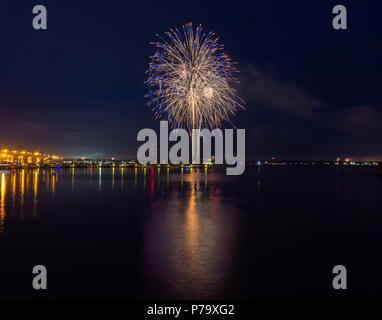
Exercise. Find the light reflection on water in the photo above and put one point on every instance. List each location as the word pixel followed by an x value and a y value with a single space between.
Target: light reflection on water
pixel 189 239
pixel 184 233
pixel 181 230
pixel 2 203
pixel 20 188
pixel 20 191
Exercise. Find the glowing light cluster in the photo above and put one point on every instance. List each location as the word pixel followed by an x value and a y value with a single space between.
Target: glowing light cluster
pixel 191 80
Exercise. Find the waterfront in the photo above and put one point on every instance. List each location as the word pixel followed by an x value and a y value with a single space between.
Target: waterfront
pixel 136 233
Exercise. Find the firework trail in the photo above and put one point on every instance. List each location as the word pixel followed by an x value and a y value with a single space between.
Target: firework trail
pixel 190 80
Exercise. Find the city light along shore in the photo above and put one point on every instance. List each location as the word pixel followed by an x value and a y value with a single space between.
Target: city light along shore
pixel 13 160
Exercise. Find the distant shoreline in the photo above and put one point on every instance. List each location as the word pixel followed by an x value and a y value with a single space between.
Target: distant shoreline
pixel 123 164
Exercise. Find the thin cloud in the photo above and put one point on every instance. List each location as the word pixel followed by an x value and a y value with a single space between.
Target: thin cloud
pixel 33 125
pixel 358 119
pixel 266 89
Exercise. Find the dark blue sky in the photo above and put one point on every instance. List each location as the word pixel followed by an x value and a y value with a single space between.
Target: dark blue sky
pixel 78 88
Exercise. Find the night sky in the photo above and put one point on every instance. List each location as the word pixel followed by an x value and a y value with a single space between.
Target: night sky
pixel 77 89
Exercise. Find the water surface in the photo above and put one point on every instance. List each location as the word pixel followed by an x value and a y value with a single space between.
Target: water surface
pixel 275 232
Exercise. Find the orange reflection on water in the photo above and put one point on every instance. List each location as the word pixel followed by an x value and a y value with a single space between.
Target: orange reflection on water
pixel 192 225
pixel 22 194
pixel 121 178
pixel 53 177
pixel 13 188
pixel 35 192
pixel 144 178
pixel 27 182
pixel 188 243
pixel 205 178
pixel 113 179
pixel 2 202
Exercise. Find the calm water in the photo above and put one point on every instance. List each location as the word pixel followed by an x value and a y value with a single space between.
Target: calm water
pixel 275 232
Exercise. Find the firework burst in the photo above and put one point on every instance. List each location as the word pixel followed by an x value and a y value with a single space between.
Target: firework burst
pixel 191 80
